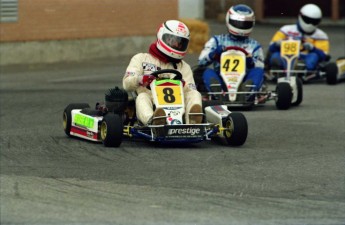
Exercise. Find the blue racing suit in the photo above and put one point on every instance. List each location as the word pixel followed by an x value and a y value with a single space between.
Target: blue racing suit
pixel 214 47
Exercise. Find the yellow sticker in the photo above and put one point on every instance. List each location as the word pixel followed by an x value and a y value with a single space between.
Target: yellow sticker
pixel 289 48
pixel 233 79
pixel 232 64
pixel 169 95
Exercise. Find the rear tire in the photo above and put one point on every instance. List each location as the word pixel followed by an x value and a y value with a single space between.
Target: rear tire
pixel 111 130
pixel 331 70
pixel 67 115
pixel 237 129
pixel 284 96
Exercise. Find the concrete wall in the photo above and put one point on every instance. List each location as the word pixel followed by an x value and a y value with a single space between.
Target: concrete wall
pixel 193 9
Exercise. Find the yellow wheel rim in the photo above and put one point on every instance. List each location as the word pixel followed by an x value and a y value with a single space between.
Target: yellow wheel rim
pixel 103 130
pixel 229 129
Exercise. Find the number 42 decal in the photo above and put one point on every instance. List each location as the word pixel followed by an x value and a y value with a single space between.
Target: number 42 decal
pixel 232 64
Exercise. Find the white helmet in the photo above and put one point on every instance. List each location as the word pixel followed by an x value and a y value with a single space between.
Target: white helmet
pixel 173 39
pixel 309 18
pixel 240 20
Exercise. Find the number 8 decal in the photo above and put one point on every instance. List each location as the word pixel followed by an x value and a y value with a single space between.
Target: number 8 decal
pixel 169 95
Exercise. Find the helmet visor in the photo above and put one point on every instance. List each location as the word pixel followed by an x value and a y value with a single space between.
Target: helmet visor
pixel 309 20
pixel 244 25
pixel 175 42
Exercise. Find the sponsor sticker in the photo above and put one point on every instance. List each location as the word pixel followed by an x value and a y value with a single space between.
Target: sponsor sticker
pixel 84 121
pixel 149 67
pixel 184 132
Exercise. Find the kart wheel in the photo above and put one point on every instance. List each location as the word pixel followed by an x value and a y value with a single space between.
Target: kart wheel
pixel 111 130
pixel 236 129
pixel 284 95
pixel 67 115
pixel 331 71
pixel 299 85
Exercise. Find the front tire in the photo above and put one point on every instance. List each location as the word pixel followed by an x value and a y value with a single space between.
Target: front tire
pixel 67 115
pixel 284 96
pixel 111 130
pixel 299 85
pixel 236 129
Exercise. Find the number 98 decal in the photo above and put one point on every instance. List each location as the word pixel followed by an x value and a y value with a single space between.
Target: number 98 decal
pixel 290 48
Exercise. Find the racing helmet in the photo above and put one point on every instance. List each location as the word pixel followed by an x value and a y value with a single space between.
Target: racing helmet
pixel 240 20
pixel 173 38
pixel 309 18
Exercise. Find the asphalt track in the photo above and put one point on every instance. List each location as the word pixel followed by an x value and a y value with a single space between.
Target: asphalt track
pixel 291 170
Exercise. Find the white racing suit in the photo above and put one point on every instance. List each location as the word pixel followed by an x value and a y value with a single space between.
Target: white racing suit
pixel 144 64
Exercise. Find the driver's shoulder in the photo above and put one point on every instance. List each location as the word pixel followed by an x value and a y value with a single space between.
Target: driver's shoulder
pixel 142 55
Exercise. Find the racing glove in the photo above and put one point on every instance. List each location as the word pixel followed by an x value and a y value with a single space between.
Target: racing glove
pixel 308 46
pixel 277 43
pixel 216 52
pixel 145 80
pixel 274 46
pixel 249 62
pixel 183 82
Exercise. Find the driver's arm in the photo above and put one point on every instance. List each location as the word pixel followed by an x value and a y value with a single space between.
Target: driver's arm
pixel 187 76
pixel 134 69
pixel 274 45
pixel 258 57
pixel 204 57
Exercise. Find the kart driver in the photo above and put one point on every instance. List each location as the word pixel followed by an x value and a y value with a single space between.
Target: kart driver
pixel 240 21
pixel 166 52
pixel 314 41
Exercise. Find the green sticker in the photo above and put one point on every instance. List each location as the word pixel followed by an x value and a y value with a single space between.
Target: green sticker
pixel 177 82
pixel 83 120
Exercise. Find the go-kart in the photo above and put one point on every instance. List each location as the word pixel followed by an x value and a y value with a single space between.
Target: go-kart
pixel 234 93
pixel 115 120
pixel 325 70
pixel 339 76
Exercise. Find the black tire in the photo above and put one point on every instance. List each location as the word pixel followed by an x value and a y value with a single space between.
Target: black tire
pixel 299 85
pixel 284 96
pixel 236 129
pixel 331 70
pixel 67 115
pixel 111 130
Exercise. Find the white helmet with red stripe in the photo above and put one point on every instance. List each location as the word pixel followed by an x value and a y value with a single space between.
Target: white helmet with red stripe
pixel 173 39
pixel 240 20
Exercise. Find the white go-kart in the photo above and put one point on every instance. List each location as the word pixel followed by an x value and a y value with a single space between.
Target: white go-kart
pixel 117 120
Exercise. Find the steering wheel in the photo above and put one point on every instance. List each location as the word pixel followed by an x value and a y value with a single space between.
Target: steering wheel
pixel 237 49
pixel 178 75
